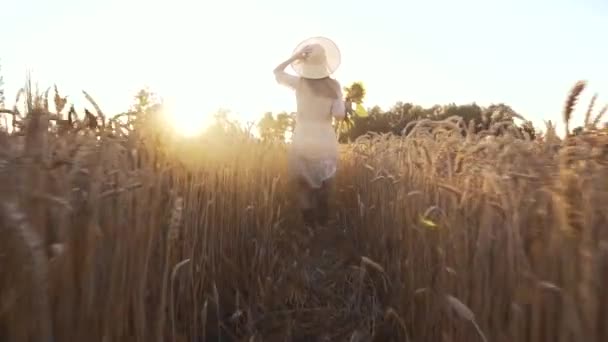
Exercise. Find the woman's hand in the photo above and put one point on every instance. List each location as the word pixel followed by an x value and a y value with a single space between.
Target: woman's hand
pixel 298 56
pixel 302 54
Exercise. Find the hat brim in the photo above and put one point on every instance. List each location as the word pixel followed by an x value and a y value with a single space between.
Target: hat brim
pixel 332 53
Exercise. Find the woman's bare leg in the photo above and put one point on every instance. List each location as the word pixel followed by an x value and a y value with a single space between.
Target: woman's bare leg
pixel 322 195
pixel 306 202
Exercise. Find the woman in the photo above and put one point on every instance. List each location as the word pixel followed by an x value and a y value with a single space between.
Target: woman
pixel 314 149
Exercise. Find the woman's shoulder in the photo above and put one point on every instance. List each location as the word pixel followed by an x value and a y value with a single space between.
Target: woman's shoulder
pixel 335 82
pixel 336 85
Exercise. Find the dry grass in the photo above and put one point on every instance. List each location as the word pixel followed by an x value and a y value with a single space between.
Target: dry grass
pixel 437 236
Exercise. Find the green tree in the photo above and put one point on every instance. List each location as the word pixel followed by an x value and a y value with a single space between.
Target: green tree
pixel 284 123
pixel 266 126
pixel 145 99
pixel 396 119
pixel 467 112
pixel 273 128
pixel 145 110
pixel 222 126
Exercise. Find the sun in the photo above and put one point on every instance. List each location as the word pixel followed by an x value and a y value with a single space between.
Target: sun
pixel 188 119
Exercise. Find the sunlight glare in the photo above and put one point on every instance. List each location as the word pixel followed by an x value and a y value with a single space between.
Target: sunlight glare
pixel 188 119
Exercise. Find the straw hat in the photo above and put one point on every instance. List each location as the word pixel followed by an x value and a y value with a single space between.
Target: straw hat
pixel 323 60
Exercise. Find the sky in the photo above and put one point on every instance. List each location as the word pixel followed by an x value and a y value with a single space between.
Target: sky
pixel 204 55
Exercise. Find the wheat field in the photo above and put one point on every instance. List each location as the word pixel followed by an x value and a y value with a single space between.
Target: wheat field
pixel 122 232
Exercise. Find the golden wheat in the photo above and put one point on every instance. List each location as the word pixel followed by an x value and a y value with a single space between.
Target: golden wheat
pixel 178 240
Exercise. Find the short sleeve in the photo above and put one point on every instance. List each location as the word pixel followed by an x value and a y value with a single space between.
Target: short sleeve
pixel 286 79
pixel 338 107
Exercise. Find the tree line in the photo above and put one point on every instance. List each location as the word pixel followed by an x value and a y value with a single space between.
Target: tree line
pixel 279 126
pixel 395 120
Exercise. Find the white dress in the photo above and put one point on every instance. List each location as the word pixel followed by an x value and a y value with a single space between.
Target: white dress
pixel 314 148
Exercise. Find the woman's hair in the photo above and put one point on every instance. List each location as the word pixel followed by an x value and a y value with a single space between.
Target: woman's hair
pixel 323 87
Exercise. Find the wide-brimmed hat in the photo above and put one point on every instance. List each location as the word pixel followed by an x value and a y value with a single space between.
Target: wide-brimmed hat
pixel 323 60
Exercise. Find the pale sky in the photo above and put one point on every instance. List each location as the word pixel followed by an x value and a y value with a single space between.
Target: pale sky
pixel 202 55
